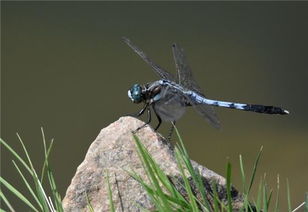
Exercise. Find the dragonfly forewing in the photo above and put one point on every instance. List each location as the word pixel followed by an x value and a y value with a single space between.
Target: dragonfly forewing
pixel 162 73
pixel 185 79
pixel 184 73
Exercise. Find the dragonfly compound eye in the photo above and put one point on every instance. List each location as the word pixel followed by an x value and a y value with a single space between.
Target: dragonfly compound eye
pixel 135 93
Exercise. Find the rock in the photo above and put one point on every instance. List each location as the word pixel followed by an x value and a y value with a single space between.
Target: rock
pixel 114 152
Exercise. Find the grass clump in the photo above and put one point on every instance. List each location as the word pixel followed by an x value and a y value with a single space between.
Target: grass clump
pixel 41 201
pixel 166 195
pixel 184 193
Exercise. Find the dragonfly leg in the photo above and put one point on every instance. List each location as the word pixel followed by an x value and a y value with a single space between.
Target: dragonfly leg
pixel 148 121
pixel 140 112
pixel 158 118
pixel 159 122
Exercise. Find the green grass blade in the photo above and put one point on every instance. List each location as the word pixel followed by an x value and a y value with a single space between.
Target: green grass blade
pixel 151 192
pixel 45 165
pixel 37 191
pixel 174 199
pixel 16 155
pixel 196 179
pixel 89 204
pixel 264 195
pixel 268 201
pixel 289 197
pixel 40 193
pixel 259 196
pixel 17 193
pixel 254 170
pixel 27 155
pixel 243 174
pixel 306 202
pixel 194 173
pixel 229 186
pixel 164 180
pixel 28 186
pixel 56 195
pixel 109 193
pixel 276 209
pixel 145 158
pixel 250 207
pixel 298 207
pixel 182 147
pixel 6 201
pixel 30 168
pixel 215 197
pixel 44 140
pixel 191 197
pixel 46 160
pixel 150 165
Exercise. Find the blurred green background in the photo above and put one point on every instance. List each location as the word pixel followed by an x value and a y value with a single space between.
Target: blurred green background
pixel 65 68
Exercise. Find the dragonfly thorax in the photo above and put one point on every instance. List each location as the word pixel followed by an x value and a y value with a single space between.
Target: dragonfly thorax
pixel 135 93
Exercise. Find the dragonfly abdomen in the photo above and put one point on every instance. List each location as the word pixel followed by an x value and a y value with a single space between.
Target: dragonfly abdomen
pixel 239 106
pixel 265 109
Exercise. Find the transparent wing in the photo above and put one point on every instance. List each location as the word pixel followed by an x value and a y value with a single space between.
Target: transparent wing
pixel 184 74
pixel 158 70
pixel 209 114
pixel 185 78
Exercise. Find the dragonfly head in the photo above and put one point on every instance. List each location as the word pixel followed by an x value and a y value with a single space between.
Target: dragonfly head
pixel 135 93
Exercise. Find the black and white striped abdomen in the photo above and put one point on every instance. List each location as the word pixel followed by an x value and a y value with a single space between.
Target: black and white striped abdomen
pixel 198 99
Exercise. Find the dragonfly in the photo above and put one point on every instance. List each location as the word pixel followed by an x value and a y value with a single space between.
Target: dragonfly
pixel 169 96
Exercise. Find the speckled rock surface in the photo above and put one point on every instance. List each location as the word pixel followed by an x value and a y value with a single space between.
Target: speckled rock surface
pixel 114 152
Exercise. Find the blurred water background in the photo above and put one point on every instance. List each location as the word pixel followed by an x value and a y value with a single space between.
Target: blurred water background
pixel 65 68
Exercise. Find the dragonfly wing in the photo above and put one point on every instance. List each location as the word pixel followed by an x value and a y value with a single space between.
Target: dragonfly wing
pixel 184 73
pixel 185 79
pixel 209 114
pixel 158 70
